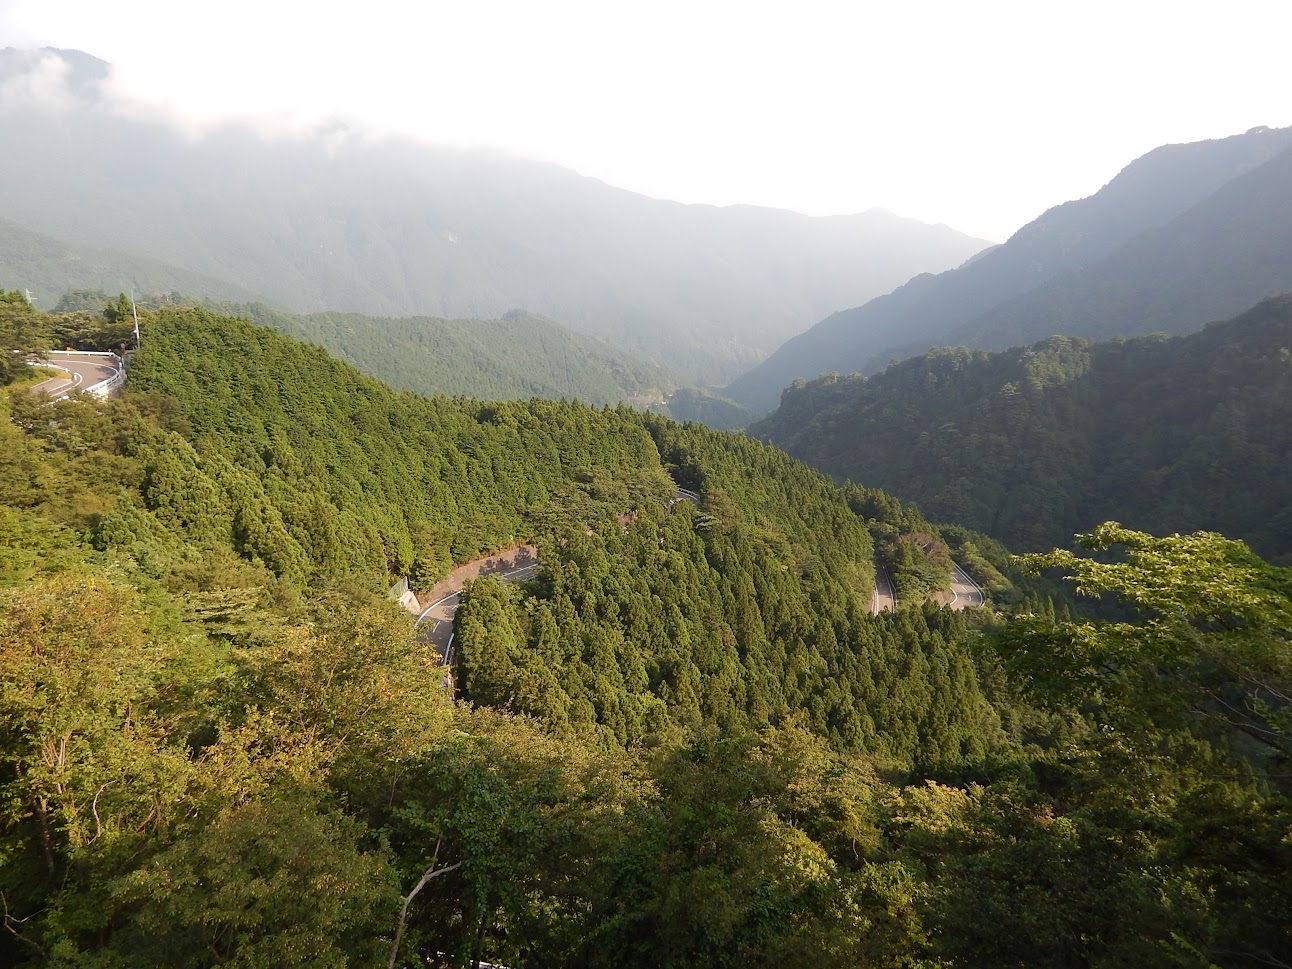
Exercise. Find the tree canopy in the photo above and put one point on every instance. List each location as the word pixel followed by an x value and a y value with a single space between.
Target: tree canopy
pixel 684 742
pixel 1033 444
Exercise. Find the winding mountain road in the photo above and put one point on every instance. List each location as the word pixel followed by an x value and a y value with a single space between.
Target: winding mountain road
pixel 965 592
pixel 434 623
pixel 80 372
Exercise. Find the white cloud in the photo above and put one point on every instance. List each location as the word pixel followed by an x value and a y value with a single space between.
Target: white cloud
pixel 40 86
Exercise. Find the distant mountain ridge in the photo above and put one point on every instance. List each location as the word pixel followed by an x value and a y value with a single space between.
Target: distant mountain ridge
pixel 1184 234
pixel 48 267
pixel 1231 248
pixel 388 227
pixel 1032 444
pixel 515 357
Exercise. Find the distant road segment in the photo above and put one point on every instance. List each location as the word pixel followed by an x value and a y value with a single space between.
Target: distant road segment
pixel 885 599
pixel 965 593
pixel 434 624
pixel 81 371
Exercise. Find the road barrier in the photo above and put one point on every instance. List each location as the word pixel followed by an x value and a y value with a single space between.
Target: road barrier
pixel 968 579
pixel 102 388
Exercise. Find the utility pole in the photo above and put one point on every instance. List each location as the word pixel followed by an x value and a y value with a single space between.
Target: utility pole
pixel 135 311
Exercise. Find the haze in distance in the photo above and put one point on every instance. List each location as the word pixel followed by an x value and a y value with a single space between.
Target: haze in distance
pixel 979 116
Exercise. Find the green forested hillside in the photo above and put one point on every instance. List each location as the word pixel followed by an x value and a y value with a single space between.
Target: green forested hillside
pixel 741 614
pixel 361 478
pixel 1033 444
pixel 512 358
pixel 711 409
pixel 684 743
pixel 367 479
pixel 47 267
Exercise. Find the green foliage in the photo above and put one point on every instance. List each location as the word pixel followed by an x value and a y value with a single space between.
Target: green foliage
pixel 88 320
pixel 331 471
pixel 1120 843
pixel 705 407
pixel 687 742
pixel 752 854
pixel 22 332
pixel 81 301
pixel 1033 444
pixel 1217 638
pixel 688 619
pixel 517 356
pixel 910 549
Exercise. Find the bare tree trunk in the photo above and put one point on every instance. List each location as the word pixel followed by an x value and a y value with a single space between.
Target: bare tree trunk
pixel 11 924
pixel 430 873
pixel 46 841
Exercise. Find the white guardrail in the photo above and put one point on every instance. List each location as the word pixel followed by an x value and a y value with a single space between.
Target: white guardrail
pixel 968 579
pixel 102 388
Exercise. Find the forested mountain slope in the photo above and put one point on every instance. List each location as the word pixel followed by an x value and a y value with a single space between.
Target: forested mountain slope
pixel 512 358
pixel 1033 444
pixel 48 268
pixel 1222 255
pixel 354 477
pixel 335 220
pixel 220 746
pixel 1183 235
pixel 706 407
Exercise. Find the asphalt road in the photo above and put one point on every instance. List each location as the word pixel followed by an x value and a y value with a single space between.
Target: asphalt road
pixel 82 372
pixel 435 623
pixel 885 599
pixel 965 593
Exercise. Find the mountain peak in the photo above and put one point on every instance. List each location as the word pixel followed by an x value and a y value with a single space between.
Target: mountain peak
pixel 1020 290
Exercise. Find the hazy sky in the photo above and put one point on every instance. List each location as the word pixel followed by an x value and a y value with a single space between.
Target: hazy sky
pixel 977 113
